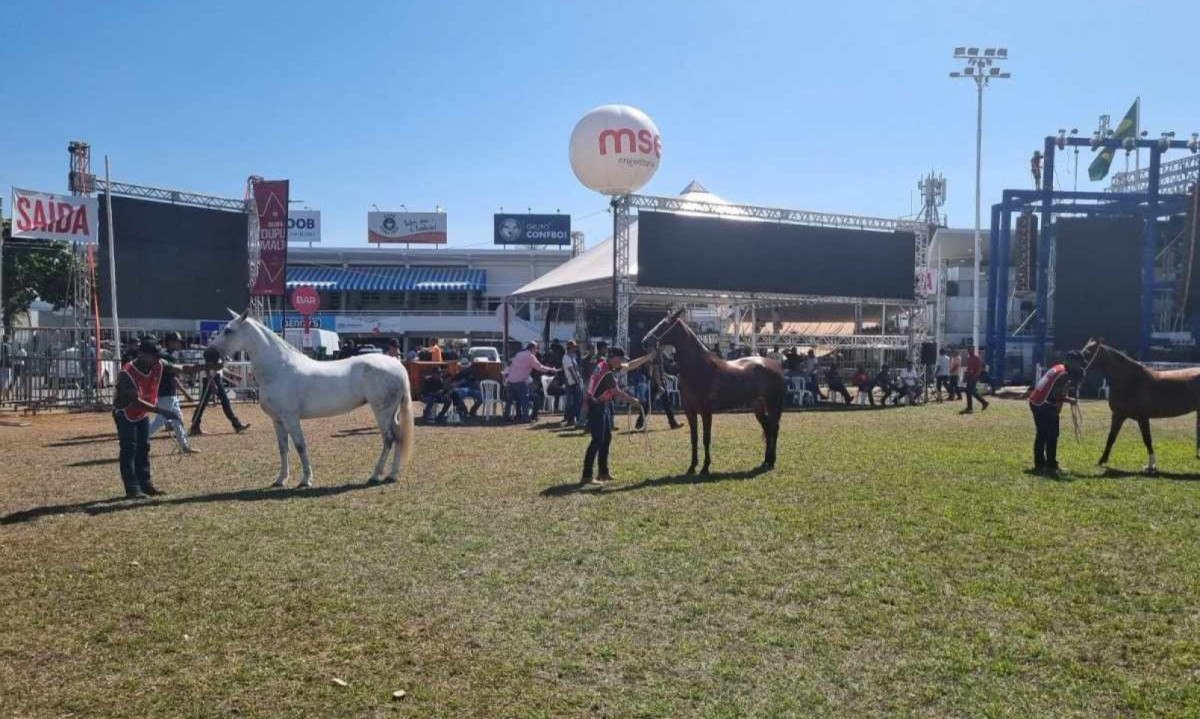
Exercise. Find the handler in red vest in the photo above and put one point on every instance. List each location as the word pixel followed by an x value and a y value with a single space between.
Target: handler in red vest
pixel 598 397
pixel 135 400
pixel 1046 401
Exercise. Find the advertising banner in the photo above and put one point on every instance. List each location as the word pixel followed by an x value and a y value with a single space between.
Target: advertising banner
pixel 43 216
pixel 532 229
pixel 270 204
pixel 304 226
pixel 428 228
pixel 318 321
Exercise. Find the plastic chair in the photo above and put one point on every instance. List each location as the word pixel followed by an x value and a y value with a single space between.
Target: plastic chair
pixel 798 391
pixel 491 406
pixel 549 401
pixel 672 388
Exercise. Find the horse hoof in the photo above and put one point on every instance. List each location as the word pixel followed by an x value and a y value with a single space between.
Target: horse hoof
pixel 373 481
pixel 278 484
pixel 1150 470
pixel 305 485
pixel 704 472
pixel 691 471
pixel 389 480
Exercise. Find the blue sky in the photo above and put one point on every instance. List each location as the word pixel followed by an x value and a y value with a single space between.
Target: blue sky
pixel 838 107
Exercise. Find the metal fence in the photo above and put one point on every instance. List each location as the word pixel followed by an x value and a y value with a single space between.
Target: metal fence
pixel 58 368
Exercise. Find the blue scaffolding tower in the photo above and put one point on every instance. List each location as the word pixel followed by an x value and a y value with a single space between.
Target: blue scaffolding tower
pixel 1150 205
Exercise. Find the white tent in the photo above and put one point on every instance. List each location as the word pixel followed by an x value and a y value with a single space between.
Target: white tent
pixel 590 275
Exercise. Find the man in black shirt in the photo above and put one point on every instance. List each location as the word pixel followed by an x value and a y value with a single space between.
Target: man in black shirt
pixel 459 385
pixel 433 386
pixel 167 397
pixel 214 385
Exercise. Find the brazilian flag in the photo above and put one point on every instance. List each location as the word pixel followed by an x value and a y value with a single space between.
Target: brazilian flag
pixel 1098 170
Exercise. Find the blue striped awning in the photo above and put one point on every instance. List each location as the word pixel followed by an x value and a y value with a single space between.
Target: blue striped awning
pixel 388 279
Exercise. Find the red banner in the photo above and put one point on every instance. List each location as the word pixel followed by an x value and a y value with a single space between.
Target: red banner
pixel 271 205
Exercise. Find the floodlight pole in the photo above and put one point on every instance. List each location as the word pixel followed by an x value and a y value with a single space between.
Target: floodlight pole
pixel 981 68
pixel 979 83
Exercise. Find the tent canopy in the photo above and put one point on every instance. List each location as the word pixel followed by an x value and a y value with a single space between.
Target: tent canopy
pixel 590 275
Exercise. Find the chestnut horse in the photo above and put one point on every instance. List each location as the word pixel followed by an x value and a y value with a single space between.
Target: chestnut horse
pixel 1140 393
pixel 708 383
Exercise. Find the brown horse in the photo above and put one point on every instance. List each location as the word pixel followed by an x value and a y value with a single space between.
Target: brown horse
pixel 1140 393
pixel 708 383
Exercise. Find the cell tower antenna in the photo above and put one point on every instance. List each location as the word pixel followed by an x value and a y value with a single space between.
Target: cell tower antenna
pixel 933 198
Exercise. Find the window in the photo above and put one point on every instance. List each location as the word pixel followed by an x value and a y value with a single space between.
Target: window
pixel 428 299
pixel 369 299
pixel 457 300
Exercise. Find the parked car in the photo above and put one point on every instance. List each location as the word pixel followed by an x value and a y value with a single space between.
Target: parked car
pixel 483 354
pixel 369 350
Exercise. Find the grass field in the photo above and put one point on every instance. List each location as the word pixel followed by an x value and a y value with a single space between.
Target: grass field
pixel 897 563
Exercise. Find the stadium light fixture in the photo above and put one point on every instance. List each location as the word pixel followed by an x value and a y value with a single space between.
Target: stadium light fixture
pixel 982 69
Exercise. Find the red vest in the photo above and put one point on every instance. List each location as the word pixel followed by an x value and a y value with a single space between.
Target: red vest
pixel 598 377
pixel 147 388
pixel 1045 385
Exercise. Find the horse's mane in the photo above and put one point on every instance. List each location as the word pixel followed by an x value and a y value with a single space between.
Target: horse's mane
pixel 1125 358
pixel 271 337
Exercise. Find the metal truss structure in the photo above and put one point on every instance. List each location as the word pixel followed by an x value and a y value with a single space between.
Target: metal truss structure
pixel 1174 178
pixel 863 341
pixel 626 291
pixel 1152 204
pixel 253 246
pixel 177 197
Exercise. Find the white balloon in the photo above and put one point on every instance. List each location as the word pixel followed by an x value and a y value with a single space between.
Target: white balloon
pixel 615 149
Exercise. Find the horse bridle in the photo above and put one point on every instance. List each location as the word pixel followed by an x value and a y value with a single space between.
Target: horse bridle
pixel 1095 353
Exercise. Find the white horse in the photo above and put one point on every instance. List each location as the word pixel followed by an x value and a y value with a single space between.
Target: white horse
pixel 293 387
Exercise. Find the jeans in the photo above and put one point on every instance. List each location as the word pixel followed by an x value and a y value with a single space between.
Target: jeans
pixel 431 402
pixel 973 393
pixel 868 388
pixel 170 402
pixel 572 401
pixel 214 386
pixel 518 395
pixel 1045 441
pixel 663 400
pixel 600 426
pixel 455 397
pixel 134 441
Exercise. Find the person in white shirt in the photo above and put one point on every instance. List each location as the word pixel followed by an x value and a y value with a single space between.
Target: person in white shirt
pixel 941 373
pixel 910 379
pixel 573 380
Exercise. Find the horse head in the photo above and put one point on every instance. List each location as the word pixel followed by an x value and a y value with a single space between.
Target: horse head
pixel 1092 351
pixel 233 338
pixel 668 331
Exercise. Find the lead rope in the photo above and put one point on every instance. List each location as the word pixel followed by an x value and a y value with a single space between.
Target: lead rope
pixel 1077 420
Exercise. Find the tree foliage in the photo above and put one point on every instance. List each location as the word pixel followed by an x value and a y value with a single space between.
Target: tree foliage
pixel 32 271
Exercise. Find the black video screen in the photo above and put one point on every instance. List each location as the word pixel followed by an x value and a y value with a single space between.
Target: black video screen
pixel 1098 282
pixel 708 253
pixel 174 261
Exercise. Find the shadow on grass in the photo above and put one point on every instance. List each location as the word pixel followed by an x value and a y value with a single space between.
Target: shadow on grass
pixel 564 490
pixel 120 504
pixel 82 439
pixel 94 462
pixel 1110 473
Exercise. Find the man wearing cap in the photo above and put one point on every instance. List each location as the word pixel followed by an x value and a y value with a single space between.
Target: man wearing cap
pixel 1046 401
pixel 602 390
pixel 393 349
pixel 136 398
pixel 167 397
pixel 214 385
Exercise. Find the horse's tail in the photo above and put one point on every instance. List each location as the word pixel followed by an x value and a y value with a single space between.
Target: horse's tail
pixel 404 426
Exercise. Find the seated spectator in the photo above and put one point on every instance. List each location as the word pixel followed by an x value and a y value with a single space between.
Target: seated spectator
pixel 862 380
pixel 460 387
pixel 433 387
pixel 834 379
pixel 884 382
pixel 910 379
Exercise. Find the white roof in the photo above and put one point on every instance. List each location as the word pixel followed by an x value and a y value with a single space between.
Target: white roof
pixel 955 244
pixel 590 275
